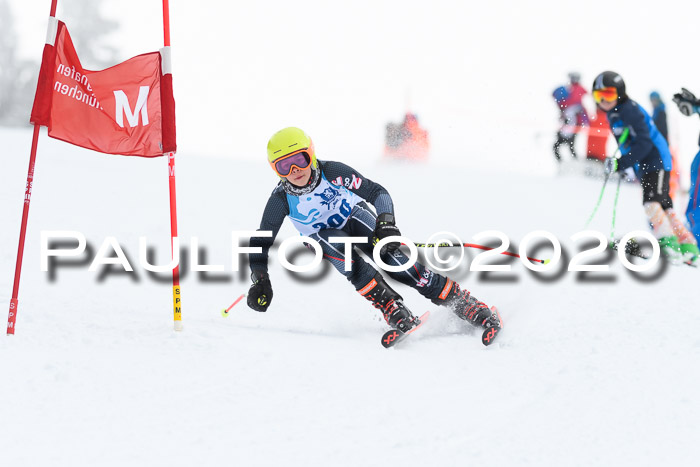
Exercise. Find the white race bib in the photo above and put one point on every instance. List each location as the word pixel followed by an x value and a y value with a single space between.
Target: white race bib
pixel 327 207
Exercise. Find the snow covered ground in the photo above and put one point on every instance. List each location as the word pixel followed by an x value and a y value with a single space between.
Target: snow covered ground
pixel 588 371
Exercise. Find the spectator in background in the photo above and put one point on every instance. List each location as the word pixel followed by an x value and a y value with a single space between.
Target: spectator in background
pixel 406 140
pixel 572 113
pixel 576 93
pixel 567 116
pixel 659 115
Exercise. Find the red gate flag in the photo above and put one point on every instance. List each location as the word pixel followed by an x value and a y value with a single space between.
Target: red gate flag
pixel 125 109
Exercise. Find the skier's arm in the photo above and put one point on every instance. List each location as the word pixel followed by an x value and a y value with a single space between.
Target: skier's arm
pixel 351 179
pixel 638 145
pixel 273 216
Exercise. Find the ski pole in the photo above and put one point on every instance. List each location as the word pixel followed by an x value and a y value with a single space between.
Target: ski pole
pixel 224 312
pixel 615 156
pixel 480 247
pixel 617 196
pixel 600 198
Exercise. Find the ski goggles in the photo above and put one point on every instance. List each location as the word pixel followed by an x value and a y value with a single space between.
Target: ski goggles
pixel 284 165
pixel 608 94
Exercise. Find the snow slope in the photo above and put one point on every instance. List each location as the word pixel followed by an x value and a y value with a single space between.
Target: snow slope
pixel 587 372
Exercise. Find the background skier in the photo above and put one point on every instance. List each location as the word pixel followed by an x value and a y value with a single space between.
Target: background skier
pixel 566 135
pixel 573 114
pixel 642 147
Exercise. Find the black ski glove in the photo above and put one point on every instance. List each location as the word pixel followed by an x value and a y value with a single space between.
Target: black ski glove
pixel 686 101
pixel 386 227
pixel 260 293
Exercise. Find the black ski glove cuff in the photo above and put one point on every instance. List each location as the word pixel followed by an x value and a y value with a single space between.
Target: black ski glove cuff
pixel 260 293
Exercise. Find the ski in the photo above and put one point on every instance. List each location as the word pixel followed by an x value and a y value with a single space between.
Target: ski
pixel 489 334
pixel 394 336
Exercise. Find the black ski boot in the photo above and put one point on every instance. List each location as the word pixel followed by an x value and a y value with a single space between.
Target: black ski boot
pixel 390 303
pixel 466 306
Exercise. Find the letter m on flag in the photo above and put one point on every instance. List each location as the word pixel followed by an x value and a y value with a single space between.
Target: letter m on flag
pixel 122 108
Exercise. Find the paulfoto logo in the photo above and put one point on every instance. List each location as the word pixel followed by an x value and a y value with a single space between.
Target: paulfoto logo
pixel 443 252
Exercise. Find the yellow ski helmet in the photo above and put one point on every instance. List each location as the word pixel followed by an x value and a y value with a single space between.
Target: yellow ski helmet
pixel 288 141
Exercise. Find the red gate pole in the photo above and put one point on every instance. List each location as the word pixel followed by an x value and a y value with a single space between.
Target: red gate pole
pixel 12 315
pixel 14 302
pixel 177 304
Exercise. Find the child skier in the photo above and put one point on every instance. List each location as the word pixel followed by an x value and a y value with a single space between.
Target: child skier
pixel 572 115
pixel 642 147
pixel 325 199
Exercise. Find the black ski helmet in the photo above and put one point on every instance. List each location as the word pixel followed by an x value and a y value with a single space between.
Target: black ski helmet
pixel 610 79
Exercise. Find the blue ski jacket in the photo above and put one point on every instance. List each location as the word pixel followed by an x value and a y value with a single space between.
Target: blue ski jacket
pixel 645 148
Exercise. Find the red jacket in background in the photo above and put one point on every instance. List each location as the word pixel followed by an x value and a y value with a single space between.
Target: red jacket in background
pixel 576 93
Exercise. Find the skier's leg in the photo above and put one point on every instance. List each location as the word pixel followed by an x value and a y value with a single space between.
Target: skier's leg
pixel 367 281
pixel 655 199
pixel 389 302
pixel 360 272
pixel 361 224
pixel 437 288
pixel 466 306
pixel 685 237
pixel 659 222
pixel 572 145
pixel 688 244
pixel 558 143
